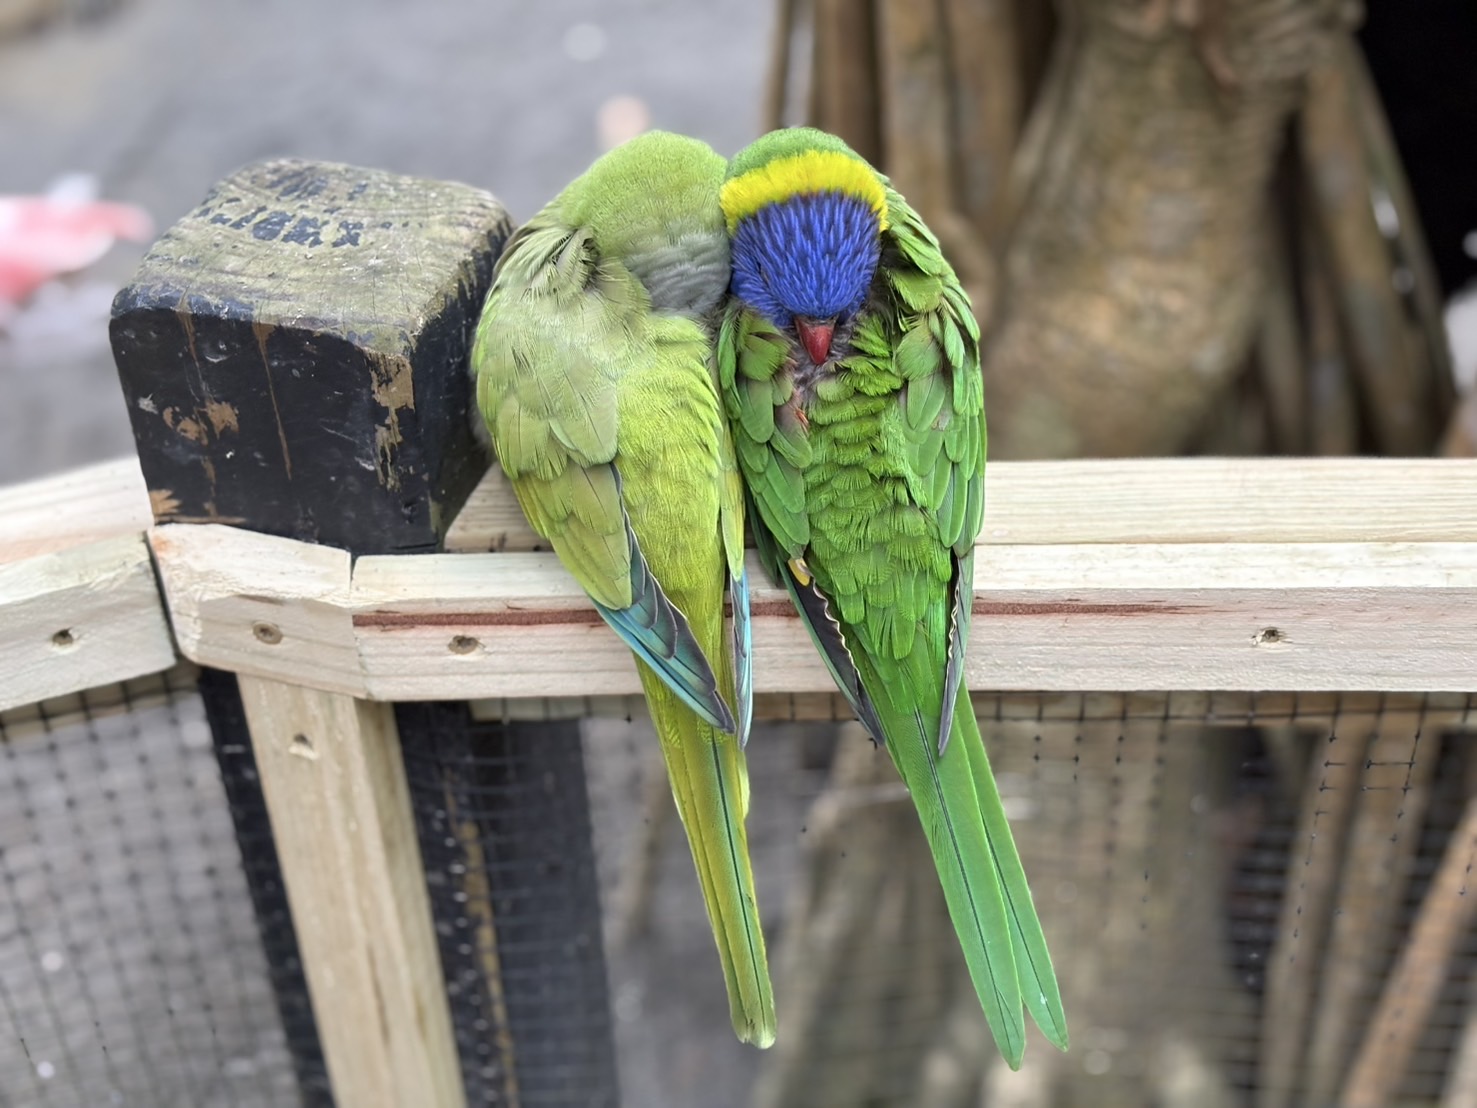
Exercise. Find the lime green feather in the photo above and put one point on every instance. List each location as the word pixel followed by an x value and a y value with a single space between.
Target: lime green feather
pixel 596 377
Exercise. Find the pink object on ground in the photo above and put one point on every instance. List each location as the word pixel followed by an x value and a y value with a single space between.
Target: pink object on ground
pixel 42 237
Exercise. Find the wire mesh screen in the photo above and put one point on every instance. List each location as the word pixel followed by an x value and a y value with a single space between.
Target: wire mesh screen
pixel 1251 900
pixel 504 828
pixel 132 967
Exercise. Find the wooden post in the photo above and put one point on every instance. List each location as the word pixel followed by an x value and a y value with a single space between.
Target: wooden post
pixel 293 354
pixel 335 786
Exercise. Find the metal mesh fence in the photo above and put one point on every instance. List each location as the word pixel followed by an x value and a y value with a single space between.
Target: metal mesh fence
pixel 504 828
pixel 132 970
pixel 1252 900
pixel 1228 883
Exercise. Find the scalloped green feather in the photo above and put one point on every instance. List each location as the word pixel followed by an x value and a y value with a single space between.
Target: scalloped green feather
pixel 889 502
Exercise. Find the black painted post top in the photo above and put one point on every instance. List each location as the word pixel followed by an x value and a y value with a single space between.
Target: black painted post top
pixel 293 354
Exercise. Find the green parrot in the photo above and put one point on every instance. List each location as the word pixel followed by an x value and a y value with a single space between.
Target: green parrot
pixel 848 360
pixel 595 376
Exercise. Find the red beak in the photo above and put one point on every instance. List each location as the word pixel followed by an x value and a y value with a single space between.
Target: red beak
pixel 816 335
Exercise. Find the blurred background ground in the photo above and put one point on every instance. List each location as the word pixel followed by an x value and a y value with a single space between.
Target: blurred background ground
pixel 158 99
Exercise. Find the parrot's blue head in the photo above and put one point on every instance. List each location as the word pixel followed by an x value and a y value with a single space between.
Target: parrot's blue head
pixel 805 215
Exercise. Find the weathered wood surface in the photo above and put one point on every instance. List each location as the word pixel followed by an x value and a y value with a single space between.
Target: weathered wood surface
pixel 293 354
pixel 1286 616
pixel 331 770
pixel 76 618
pixel 260 604
pixel 222 583
pixel 1155 500
pixel 72 509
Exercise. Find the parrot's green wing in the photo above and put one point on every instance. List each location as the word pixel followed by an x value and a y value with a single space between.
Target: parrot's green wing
pixel 935 350
pixel 770 438
pixel 941 422
pixel 559 324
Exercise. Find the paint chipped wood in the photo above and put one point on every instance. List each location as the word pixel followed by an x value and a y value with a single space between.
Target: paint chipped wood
pixel 293 354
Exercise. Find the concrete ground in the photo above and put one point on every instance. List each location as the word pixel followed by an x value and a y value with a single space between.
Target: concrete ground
pixel 161 98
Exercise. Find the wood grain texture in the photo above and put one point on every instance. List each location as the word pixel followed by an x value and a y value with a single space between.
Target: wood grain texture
pixel 259 604
pixel 1065 617
pixel 72 509
pixel 335 787
pixel 293 354
pixel 1155 500
pixel 514 626
pixel 81 617
pixel 1130 617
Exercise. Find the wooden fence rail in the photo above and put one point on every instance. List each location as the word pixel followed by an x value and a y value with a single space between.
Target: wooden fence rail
pixel 1249 574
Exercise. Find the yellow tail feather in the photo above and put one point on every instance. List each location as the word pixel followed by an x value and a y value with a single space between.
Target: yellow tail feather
pixel 711 786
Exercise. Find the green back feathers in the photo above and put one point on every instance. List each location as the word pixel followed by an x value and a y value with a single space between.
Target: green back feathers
pixel 787 142
pixel 593 357
pixel 597 292
pixel 653 190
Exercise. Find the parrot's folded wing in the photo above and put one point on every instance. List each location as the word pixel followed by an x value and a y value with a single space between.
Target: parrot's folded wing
pixel 731 513
pixel 548 355
pixel 660 636
pixel 825 632
pixel 934 343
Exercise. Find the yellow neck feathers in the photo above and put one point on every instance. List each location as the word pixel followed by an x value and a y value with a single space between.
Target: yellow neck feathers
pixel 814 171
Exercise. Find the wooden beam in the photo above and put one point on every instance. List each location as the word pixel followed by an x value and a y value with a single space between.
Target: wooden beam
pixel 293 354
pixel 77 618
pixel 293 357
pixel 1155 500
pixel 260 604
pixel 1160 500
pixel 1241 616
pixel 1307 616
pixel 73 509
pixel 331 771
pixel 223 588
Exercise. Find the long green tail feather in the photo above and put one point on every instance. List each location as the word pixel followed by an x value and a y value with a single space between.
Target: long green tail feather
pixel 943 791
pixel 979 868
pixel 1039 989
pixel 711 787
